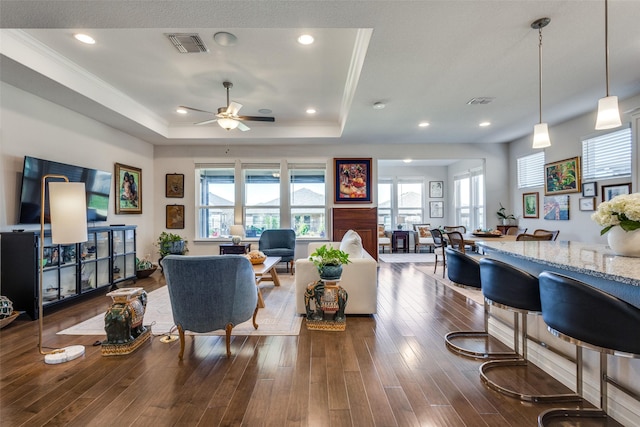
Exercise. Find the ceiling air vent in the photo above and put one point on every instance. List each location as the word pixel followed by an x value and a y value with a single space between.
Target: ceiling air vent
pixel 481 100
pixel 187 42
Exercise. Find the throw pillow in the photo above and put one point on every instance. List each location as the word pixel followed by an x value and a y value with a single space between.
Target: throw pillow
pixel 352 244
pixel 381 231
pixel 424 231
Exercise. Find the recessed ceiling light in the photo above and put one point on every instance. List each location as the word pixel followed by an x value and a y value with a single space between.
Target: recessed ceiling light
pixel 181 111
pixel 378 105
pixel 224 38
pixel 264 111
pixel 407 160
pixel 305 39
pixel 84 38
pixel 484 124
pixel 311 110
pixel 424 124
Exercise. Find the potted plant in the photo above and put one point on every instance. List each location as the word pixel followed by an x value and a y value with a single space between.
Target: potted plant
pixel 502 214
pixel 169 243
pixel 144 267
pixel 329 260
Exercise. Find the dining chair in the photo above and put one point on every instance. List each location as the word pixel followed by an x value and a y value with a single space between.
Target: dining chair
pixel 456 241
pixel 439 244
pixel 533 237
pixel 459 228
pixel 554 233
pixel 514 231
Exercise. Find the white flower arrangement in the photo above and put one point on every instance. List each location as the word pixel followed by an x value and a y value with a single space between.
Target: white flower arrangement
pixel 623 210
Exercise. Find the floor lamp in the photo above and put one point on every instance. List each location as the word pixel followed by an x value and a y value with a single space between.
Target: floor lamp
pixel 68 217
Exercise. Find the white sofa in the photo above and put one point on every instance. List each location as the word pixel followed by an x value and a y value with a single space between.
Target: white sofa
pixel 359 279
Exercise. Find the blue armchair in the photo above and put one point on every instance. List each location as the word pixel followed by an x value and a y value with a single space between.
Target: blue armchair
pixel 279 242
pixel 212 292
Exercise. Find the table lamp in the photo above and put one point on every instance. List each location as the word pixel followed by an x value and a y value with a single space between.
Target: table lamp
pixel 237 234
pixel 68 217
pixel 400 219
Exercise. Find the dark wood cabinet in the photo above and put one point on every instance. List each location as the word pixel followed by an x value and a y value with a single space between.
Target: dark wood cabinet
pixel 107 258
pixel 504 228
pixel 231 249
pixel 364 221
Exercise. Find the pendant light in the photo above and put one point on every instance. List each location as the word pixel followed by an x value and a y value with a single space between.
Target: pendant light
pixel 608 112
pixel 541 130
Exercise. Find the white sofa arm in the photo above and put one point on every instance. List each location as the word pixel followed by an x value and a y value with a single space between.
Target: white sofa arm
pixel 359 279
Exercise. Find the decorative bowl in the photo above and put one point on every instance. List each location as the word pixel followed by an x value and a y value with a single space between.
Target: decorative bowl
pixel 6 320
pixel 256 261
pixel 141 274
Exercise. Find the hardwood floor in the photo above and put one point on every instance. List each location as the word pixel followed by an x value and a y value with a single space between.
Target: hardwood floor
pixel 391 369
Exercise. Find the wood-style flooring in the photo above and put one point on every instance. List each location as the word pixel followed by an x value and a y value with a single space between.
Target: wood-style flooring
pixel 390 369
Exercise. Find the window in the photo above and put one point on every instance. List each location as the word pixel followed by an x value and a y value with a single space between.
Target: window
pixel 259 198
pixel 216 200
pixel 307 198
pixel 385 188
pixel 531 170
pixel 607 155
pixel 469 199
pixel 409 202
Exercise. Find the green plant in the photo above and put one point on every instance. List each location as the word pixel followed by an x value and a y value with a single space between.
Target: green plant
pixel 167 240
pixel 143 264
pixel 328 255
pixel 502 213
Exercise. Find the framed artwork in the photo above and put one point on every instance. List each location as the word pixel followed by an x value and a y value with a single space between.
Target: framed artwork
pixel 353 180
pixel 611 191
pixel 175 216
pixel 128 181
pixel 562 177
pixel 530 203
pixel 587 203
pixel 589 189
pixel 436 209
pixel 556 208
pixel 436 188
pixel 174 185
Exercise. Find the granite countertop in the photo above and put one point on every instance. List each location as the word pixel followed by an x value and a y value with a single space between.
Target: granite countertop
pixel 592 259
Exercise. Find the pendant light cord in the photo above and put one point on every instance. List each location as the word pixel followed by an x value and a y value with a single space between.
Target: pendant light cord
pixel 540 71
pixel 606 42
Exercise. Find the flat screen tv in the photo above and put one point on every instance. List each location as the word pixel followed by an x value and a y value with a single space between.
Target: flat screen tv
pixel 97 184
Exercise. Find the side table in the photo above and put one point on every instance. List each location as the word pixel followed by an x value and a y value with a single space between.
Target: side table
pixel 231 249
pixel 330 301
pixel 400 235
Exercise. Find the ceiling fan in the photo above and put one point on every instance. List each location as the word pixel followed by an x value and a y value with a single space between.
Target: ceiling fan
pixel 227 117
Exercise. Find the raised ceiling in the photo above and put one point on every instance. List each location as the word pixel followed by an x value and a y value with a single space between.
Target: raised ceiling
pixel 423 59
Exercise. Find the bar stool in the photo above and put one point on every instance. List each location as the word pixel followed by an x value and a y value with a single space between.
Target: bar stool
pixel 588 317
pixel 464 270
pixel 516 290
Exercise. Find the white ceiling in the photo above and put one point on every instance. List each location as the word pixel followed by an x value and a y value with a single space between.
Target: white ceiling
pixel 423 59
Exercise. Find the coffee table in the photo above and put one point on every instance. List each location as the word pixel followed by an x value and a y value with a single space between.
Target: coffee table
pixel 266 272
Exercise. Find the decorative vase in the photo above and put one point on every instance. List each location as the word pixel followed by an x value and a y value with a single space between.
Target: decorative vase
pixel 236 240
pixel 330 272
pixel 625 243
pixel 6 307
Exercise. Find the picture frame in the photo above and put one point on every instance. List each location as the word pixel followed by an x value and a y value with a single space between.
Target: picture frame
pixel 589 189
pixel 174 185
pixel 128 182
pixel 611 191
pixel 556 208
pixel 352 180
pixel 436 209
pixel 587 203
pixel 436 189
pixel 175 217
pixel 562 177
pixel 530 205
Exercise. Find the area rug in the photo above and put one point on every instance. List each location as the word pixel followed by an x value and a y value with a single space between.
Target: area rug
pixel 278 317
pixel 407 257
pixel 473 294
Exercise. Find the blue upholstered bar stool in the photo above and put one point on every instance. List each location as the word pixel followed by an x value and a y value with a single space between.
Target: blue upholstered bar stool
pixel 588 317
pixel 464 270
pixel 516 290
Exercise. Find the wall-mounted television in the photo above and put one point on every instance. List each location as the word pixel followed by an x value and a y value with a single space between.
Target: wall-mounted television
pixel 97 185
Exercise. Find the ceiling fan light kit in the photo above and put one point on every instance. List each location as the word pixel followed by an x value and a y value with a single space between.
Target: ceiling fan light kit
pixel 608 111
pixel 541 130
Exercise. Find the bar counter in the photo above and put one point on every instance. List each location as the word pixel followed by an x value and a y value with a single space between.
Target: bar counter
pixel 594 264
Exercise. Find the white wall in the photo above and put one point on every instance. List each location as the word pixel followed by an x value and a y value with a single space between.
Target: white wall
pixel 35 127
pixel 566 143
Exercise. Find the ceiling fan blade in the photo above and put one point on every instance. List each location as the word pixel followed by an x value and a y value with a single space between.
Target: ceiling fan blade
pixel 194 109
pixel 233 108
pixel 243 127
pixel 206 122
pixel 257 118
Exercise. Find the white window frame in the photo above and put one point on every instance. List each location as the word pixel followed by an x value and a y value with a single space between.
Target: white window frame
pixel 607 155
pixel 530 170
pixel 476 202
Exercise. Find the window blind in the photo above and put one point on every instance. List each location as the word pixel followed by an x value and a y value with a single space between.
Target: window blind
pixel 607 155
pixel 531 170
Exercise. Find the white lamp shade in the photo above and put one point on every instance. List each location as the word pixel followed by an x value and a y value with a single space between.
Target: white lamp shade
pixel 228 124
pixel 541 136
pixel 237 230
pixel 68 209
pixel 608 113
